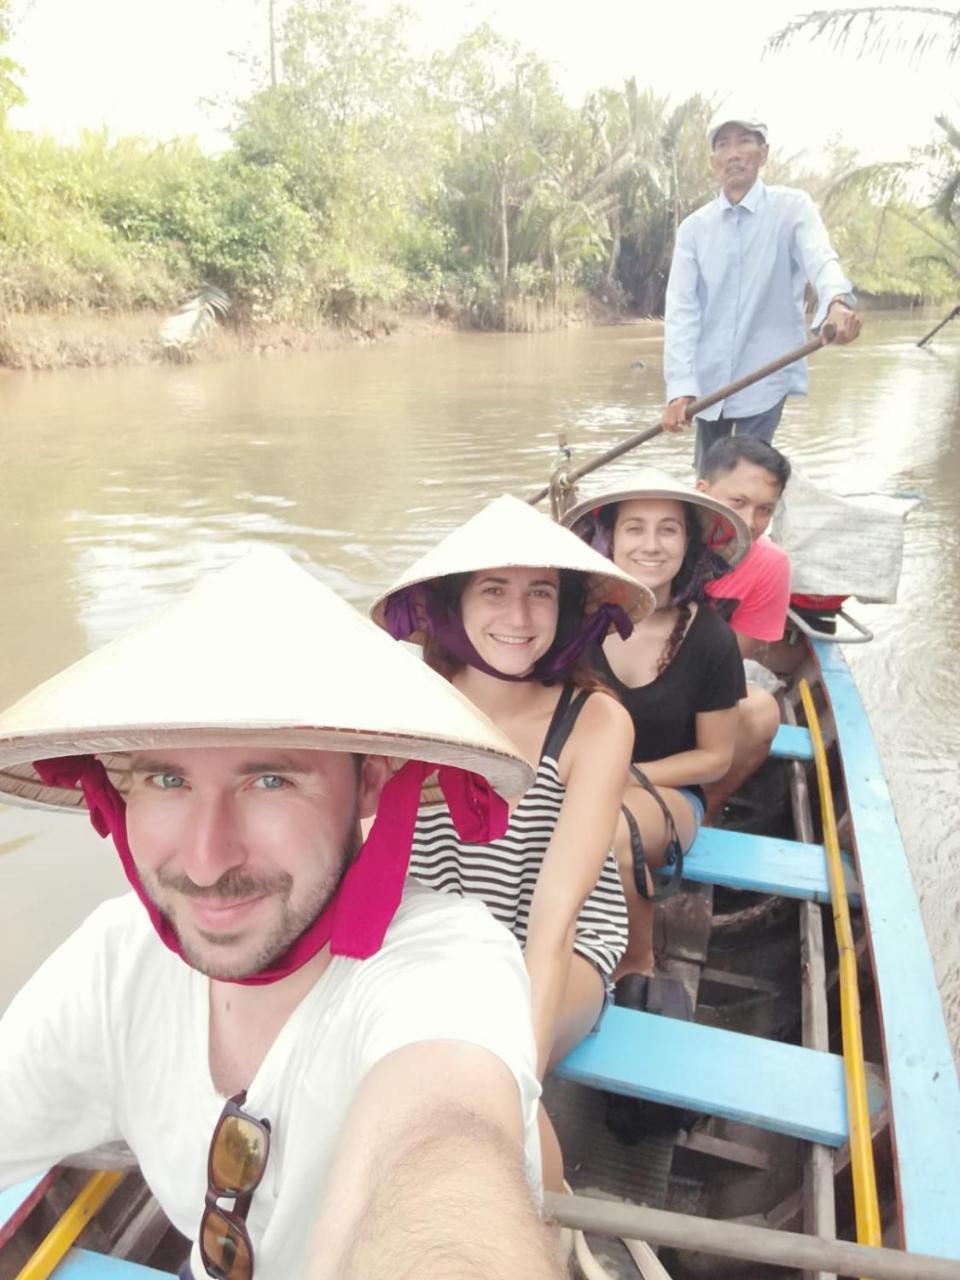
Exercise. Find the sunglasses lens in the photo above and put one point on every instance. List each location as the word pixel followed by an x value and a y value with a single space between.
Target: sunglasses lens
pixel 223 1249
pixel 238 1156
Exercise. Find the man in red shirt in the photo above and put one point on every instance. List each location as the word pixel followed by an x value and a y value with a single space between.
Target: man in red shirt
pixel 749 475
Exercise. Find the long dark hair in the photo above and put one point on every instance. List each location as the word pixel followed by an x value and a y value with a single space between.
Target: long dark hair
pixel 570 611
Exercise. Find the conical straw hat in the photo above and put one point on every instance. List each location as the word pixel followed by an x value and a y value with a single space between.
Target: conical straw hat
pixel 509 533
pixel 724 531
pixel 261 652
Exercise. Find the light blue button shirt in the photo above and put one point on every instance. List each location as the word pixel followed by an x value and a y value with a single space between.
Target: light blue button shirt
pixel 735 296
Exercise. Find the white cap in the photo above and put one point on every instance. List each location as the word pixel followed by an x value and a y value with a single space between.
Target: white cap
pixel 729 115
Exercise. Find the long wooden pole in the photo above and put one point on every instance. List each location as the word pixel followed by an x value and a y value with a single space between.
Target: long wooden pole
pixel 866 1206
pixel 951 315
pixel 570 478
pixel 790 1249
pixel 58 1240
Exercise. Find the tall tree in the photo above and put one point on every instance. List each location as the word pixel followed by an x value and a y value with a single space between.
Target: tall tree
pixel 919 32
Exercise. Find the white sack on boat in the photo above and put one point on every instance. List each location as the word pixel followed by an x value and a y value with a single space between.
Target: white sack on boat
pixel 849 546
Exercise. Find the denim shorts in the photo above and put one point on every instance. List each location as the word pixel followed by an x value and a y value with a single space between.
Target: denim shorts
pixel 694 798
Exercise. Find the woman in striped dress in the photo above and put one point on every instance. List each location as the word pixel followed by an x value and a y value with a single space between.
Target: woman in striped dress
pixel 505 607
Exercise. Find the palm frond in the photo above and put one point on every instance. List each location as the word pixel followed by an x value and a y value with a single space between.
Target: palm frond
pixel 880 30
pixel 195 318
pixel 882 181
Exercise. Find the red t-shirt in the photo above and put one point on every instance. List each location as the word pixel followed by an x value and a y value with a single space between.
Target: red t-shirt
pixel 754 596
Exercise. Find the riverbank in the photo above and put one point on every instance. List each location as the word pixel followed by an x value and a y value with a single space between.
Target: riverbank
pixel 41 341
pixel 48 340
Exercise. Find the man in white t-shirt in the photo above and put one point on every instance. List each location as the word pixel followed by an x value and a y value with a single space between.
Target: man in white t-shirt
pixel 321 1071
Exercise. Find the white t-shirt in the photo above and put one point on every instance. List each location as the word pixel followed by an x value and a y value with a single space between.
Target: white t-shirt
pixel 109 1040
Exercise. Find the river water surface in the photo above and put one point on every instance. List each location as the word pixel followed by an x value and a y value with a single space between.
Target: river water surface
pixel 119 487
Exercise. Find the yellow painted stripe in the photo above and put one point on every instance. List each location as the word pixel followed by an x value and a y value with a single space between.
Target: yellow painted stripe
pixel 866 1206
pixel 51 1250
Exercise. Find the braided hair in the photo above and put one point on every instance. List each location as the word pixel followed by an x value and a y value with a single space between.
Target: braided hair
pixel 675 637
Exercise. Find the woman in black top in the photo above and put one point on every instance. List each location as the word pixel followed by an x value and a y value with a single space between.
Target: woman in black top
pixel 680 675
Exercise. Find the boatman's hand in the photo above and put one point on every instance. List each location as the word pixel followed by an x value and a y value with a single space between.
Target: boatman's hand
pixel 674 416
pixel 845 321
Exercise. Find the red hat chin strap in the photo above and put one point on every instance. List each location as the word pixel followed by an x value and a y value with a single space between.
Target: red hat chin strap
pixel 355 921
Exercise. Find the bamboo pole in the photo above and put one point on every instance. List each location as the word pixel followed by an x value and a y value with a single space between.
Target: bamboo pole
pixel 569 479
pixel 951 315
pixel 52 1248
pixel 866 1206
pixel 789 1249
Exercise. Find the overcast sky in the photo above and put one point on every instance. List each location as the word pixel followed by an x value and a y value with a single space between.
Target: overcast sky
pixel 142 66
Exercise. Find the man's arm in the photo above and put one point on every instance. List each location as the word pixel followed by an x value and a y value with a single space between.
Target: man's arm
pixel 681 331
pixel 835 298
pixel 763 592
pixel 749 646
pixel 55 1089
pixel 429 1176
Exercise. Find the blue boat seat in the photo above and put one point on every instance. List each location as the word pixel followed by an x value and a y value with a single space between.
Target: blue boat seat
pixel 792 742
pixel 83 1264
pixel 781 1087
pixel 765 864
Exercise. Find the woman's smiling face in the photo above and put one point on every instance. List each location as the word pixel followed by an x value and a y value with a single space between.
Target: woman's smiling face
pixel 650 541
pixel 510 616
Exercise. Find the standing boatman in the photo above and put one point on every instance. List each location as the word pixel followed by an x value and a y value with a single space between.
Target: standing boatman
pixel 735 293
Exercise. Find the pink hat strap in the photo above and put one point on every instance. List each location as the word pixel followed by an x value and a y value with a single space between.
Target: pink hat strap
pixel 108 816
pixel 357 919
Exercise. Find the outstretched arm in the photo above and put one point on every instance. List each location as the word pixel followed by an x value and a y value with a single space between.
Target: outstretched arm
pixel 596 759
pixel 429 1176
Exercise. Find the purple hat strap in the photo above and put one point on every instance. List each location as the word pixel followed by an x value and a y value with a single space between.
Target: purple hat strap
pixel 410 608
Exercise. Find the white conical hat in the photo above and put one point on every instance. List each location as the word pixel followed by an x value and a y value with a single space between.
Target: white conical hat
pixel 723 530
pixel 261 652
pixel 510 533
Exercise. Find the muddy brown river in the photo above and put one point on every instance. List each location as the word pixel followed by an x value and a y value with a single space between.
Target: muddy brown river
pixel 119 487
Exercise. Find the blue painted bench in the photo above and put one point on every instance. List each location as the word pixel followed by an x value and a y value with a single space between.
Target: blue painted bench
pixel 792 742
pixel 781 1087
pixel 82 1264
pixel 765 864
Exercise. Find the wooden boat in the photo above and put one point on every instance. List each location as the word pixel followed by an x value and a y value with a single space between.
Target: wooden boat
pixel 759 1070
pixel 756 1080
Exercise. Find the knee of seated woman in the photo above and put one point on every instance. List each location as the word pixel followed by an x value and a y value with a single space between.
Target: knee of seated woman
pixel 759 714
pixel 652 829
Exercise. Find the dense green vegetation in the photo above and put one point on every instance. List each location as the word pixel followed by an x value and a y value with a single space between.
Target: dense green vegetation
pixel 360 176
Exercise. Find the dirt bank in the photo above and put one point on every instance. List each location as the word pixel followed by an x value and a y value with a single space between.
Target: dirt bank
pixel 47 340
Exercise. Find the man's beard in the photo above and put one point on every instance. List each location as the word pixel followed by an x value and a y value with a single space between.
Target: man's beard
pixel 164 889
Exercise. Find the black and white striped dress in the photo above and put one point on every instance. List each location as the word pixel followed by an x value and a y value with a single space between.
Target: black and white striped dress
pixel 504 873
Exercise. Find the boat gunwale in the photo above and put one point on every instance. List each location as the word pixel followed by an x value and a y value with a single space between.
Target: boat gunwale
pixel 921 1076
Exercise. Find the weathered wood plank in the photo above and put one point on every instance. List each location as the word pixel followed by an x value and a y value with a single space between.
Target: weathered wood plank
pixel 19 1201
